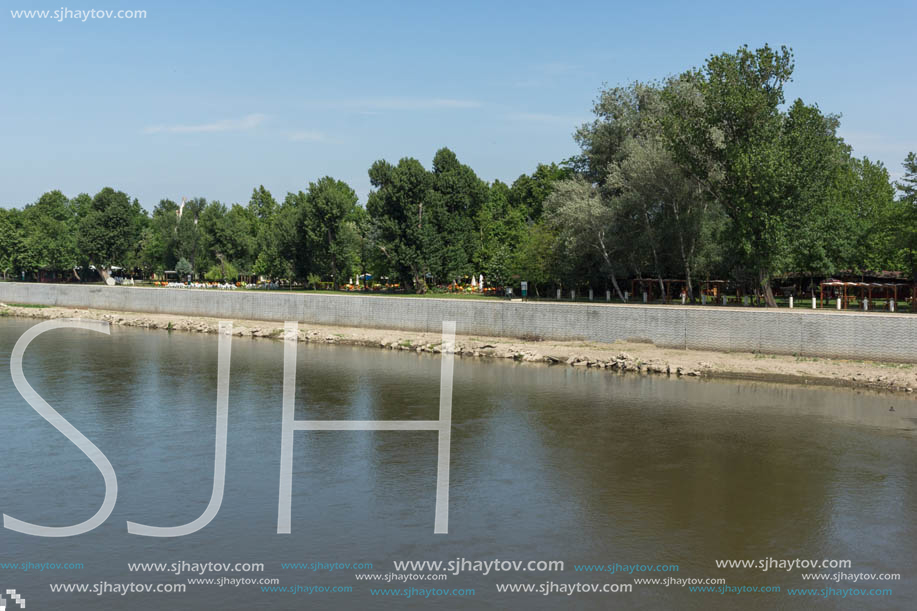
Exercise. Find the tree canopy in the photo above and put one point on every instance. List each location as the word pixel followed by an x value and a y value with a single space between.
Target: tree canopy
pixel 708 173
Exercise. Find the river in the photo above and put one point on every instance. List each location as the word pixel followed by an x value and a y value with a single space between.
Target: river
pixel 547 463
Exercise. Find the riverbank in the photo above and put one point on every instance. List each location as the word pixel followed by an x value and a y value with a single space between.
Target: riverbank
pixel 856 336
pixel 627 357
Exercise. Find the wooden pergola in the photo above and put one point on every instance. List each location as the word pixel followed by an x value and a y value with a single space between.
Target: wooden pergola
pixel 714 288
pixel 884 290
pixel 649 284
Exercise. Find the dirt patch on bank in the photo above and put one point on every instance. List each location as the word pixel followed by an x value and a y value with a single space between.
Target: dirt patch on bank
pixel 637 358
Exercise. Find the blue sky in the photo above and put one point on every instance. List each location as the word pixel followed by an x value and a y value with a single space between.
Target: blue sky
pixel 213 99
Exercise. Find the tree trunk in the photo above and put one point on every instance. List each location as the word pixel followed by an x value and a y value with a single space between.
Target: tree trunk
pixel 611 271
pixel 689 289
pixel 686 259
pixel 334 266
pixel 614 283
pixel 633 264
pixel 913 305
pixel 106 276
pixel 652 240
pixel 769 300
pixel 420 284
pixel 658 271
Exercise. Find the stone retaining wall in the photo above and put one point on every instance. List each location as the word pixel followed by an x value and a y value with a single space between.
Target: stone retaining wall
pixel 852 335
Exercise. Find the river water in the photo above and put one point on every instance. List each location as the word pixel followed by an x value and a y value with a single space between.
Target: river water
pixel 548 463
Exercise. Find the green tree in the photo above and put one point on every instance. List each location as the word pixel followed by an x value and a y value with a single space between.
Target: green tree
pixel 828 215
pixel 584 222
pixel 229 237
pixel 328 223
pixel 189 239
pixel 110 227
pixel 500 230
pixel 10 240
pixel 509 229
pixel 366 255
pixel 850 226
pixel 262 204
pixel 283 252
pixel 906 217
pixel 49 241
pixel 400 211
pixel 222 271
pixel 277 228
pixel 729 138
pixel 908 183
pixel 456 197
pixel 665 220
pixel 535 260
pixel 621 114
pixel 663 217
pixel 158 250
pixel 184 269
pixel 528 192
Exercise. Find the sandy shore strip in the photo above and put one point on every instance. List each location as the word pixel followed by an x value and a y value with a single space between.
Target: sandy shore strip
pixel 636 358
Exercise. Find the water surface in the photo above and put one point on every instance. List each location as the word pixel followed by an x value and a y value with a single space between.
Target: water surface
pixel 548 463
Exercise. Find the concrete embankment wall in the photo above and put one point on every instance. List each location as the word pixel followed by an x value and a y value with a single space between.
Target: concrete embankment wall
pixel 873 336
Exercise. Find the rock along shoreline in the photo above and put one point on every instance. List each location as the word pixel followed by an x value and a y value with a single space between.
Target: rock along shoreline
pixel 622 357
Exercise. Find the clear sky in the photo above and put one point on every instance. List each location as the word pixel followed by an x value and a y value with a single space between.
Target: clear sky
pixel 213 99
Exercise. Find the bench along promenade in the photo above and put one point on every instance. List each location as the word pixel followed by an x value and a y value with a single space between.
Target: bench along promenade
pixel 800 331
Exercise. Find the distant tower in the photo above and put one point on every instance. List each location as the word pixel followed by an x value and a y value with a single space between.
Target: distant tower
pixel 182 207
